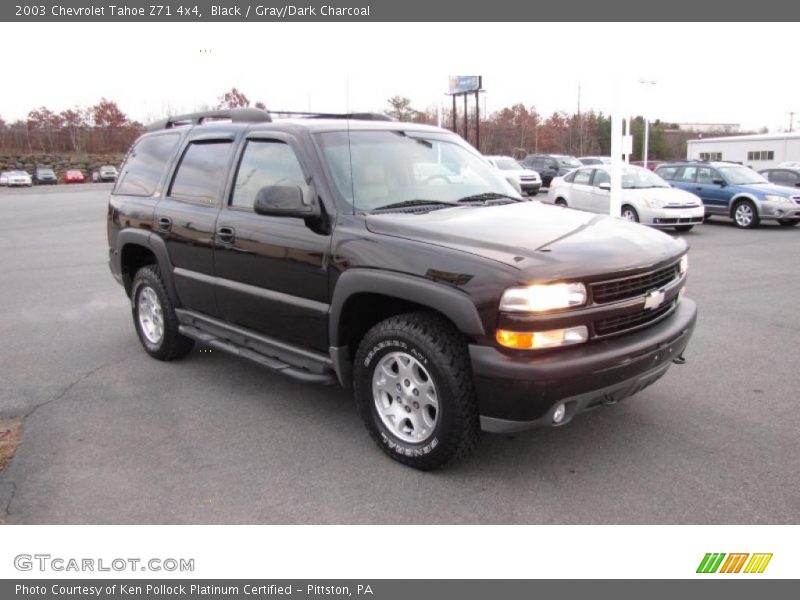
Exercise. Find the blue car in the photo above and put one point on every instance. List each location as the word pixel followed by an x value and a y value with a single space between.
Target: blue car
pixel 734 191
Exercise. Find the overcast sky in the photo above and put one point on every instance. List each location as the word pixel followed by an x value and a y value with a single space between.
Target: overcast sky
pixel 737 73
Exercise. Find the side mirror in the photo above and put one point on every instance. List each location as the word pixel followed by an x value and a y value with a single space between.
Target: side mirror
pixel 718 182
pixel 284 201
pixel 605 186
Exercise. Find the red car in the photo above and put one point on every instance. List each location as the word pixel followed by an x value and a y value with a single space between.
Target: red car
pixel 74 176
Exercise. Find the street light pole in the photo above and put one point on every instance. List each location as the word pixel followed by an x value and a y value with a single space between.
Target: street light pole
pixel 646 124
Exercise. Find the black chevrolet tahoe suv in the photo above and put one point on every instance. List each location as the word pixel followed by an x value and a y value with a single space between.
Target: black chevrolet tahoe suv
pixel 391 258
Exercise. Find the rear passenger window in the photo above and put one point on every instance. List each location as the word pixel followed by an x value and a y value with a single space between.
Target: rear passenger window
pixel 583 176
pixel 202 172
pixel 145 165
pixel 265 163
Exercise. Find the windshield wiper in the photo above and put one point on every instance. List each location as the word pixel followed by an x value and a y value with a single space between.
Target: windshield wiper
pixel 409 203
pixel 488 196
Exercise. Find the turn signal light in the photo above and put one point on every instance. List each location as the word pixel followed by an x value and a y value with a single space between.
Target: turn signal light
pixel 534 340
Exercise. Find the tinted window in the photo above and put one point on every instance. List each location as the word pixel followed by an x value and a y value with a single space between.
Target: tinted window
pixel 570 176
pixel 667 172
pixel 781 177
pixel 686 174
pixel 265 163
pixel 583 176
pixel 145 165
pixel 202 171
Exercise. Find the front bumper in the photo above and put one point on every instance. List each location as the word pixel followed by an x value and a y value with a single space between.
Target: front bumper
pixel 670 217
pixel 779 210
pixel 517 393
pixel 530 186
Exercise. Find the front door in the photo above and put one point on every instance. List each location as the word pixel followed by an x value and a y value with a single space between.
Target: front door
pixel 272 272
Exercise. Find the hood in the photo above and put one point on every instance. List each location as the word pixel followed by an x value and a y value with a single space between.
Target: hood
pixel 551 241
pixel 770 188
pixel 671 196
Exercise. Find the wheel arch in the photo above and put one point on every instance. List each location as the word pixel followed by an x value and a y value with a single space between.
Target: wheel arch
pixel 743 196
pixel 364 297
pixel 137 248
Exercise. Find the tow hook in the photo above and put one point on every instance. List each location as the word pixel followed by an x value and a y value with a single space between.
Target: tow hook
pixel 679 360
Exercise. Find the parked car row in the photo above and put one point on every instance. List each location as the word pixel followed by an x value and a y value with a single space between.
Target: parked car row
pixel 47 176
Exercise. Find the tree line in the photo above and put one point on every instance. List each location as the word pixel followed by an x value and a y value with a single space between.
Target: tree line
pixel 515 130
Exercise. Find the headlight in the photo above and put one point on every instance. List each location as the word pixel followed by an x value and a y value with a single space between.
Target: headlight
pixel 772 198
pixel 655 203
pixel 683 266
pixel 539 298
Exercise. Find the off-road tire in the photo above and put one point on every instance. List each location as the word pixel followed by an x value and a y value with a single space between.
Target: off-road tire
pixel 442 350
pixel 172 345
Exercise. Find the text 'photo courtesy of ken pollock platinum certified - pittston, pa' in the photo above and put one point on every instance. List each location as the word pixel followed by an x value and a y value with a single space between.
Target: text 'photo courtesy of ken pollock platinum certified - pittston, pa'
pixel 242 11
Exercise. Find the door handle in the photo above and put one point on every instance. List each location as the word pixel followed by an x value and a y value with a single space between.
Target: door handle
pixel 226 235
pixel 164 224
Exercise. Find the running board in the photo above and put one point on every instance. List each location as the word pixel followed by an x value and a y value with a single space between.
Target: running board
pixel 298 363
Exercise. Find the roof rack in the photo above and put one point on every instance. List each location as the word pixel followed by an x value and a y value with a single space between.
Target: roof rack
pixel 359 116
pixel 236 115
pixel 255 115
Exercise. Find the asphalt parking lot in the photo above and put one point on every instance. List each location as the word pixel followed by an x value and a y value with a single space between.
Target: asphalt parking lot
pixel 112 436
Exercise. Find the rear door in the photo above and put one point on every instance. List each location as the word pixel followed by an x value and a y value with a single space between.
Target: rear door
pixel 187 215
pixel 580 193
pixel 272 272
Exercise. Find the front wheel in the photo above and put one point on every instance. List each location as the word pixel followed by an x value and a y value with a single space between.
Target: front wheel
pixel 629 214
pixel 745 215
pixel 414 390
pixel 154 317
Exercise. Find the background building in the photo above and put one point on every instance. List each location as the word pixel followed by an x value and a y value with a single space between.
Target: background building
pixel 759 151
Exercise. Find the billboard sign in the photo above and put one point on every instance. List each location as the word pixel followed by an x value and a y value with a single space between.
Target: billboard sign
pixel 463 84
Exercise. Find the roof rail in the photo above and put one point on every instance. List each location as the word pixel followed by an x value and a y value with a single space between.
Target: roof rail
pixel 236 115
pixel 256 115
pixel 363 116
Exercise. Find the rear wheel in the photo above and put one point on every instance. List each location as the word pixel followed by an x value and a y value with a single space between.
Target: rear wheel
pixel 789 222
pixel 629 214
pixel 414 390
pixel 683 227
pixel 745 215
pixel 154 317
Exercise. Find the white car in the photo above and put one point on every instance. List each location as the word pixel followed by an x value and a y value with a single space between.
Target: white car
pixel 20 178
pixel 790 164
pixel 4 178
pixel 525 180
pixel 646 198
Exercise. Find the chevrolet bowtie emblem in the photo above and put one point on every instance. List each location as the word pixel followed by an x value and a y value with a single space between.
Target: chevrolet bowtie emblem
pixel 653 299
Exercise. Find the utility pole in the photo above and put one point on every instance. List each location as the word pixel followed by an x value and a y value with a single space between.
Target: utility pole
pixel 791 120
pixel 580 124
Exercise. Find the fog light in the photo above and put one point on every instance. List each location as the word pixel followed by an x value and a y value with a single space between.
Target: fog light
pixel 559 413
pixel 534 340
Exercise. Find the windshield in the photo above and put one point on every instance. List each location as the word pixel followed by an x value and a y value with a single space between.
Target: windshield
pixel 568 162
pixel 741 175
pixel 639 178
pixel 374 169
pixel 508 164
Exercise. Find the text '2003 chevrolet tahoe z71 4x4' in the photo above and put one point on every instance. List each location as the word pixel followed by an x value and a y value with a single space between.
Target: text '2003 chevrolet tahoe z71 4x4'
pixel 390 257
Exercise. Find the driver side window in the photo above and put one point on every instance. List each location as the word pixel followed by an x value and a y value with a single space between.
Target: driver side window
pixel 601 176
pixel 265 163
